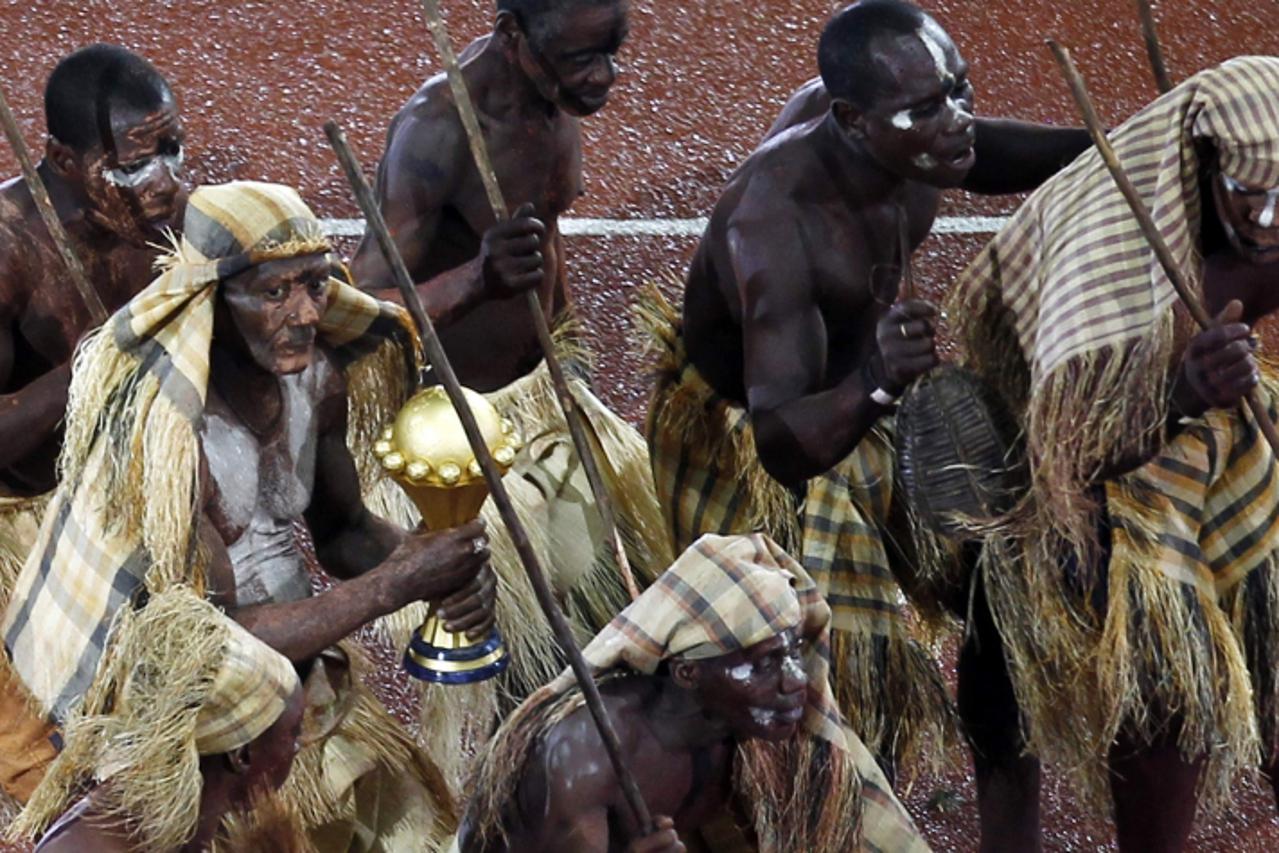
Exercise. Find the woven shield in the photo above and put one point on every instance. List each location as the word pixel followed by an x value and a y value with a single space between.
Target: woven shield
pixel 960 459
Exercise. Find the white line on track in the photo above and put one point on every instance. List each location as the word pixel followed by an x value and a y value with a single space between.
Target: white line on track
pixel 574 227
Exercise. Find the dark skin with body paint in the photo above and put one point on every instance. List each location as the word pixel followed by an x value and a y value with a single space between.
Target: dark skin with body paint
pixel 230 781
pixel 471 271
pixel 780 313
pixel 1154 786
pixel 265 328
pixel 42 316
pixel 678 731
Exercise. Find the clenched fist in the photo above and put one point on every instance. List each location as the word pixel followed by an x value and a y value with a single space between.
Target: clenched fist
pixel 907 346
pixel 1219 366
pixel 511 254
pixel 663 839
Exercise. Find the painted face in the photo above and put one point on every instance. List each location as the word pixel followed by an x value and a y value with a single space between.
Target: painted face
pixel 921 124
pixel 574 69
pixel 133 183
pixel 275 310
pixel 1250 217
pixel 761 691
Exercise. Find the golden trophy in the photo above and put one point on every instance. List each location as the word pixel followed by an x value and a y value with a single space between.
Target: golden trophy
pixel 426 452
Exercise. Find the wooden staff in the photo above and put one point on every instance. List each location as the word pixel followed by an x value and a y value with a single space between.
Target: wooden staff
pixel 43 204
pixel 1147 224
pixel 1151 35
pixel 519 538
pixel 572 414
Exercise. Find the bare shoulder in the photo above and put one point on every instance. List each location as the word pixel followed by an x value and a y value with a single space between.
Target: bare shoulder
pixel 806 103
pixel 17 212
pixel 572 753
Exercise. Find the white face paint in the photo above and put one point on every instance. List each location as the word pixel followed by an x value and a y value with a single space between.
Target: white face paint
pixel 742 672
pixel 1267 217
pixel 146 172
pixel 792 668
pixel 931 36
pixel 902 120
pixel 924 161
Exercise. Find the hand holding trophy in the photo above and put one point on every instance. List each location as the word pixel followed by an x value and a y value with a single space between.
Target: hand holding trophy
pixel 426 452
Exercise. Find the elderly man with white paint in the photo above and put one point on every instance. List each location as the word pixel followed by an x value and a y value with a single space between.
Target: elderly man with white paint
pixel 776 385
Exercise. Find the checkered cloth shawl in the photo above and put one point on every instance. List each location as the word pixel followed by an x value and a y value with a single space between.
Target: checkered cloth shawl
pixel 1068 310
pixel 122 524
pixel 709 479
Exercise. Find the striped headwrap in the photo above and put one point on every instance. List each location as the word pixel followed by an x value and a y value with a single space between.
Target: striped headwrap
pixel 725 594
pixel 1070 315
pixel 122 530
pixel 1067 309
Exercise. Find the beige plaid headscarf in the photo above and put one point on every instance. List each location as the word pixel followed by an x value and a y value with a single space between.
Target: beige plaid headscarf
pixel 121 533
pixel 1067 309
pixel 724 594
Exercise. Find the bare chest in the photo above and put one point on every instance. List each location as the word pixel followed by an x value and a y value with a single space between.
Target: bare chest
pixel 262 485
pixel 538 164
pixel 55 316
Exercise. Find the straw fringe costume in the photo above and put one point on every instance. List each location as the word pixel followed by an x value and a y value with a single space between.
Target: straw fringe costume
pixel 26 745
pixel 1069 315
pixel 845 529
pixel 550 491
pixel 109 628
pixel 722 595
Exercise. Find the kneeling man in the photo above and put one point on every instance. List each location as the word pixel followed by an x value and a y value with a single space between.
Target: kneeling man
pixel 717 681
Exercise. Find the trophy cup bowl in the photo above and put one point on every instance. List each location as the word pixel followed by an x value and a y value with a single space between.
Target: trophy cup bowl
pixel 427 454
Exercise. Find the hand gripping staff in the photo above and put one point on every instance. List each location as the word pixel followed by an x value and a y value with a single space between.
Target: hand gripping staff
pixel 444 371
pixel 1160 246
pixel 572 414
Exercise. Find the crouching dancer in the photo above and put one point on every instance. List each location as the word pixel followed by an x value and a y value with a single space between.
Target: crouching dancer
pixel 207 427
pixel 716 679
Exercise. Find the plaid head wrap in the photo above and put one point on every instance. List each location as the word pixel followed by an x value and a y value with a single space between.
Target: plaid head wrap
pixel 1067 309
pixel 122 530
pixel 724 594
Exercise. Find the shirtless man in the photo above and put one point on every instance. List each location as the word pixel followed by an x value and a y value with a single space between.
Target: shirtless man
pixel 112 167
pixel 724 714
pixel 1151 689
pixel 249 412
pixel 547 64
pixel 791 337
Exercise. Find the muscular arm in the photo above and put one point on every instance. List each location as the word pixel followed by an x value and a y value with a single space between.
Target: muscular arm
pixel 29 417
pixel 1017 156
pixel 415 179
pixel 385 568
pixel 801 428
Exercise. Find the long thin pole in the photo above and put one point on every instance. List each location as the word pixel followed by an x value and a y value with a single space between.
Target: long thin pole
pixel 45 205
pixel 444 371
pixel 1147 223
pixel 572 414
pixel 1150 33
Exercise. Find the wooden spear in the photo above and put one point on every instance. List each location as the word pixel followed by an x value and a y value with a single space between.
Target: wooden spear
pixel 572 414
pixel 519 538
pixel 1151 35
pixel 1147 224
pixel 97 311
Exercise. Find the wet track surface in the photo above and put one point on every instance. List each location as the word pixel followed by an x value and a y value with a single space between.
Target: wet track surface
pixel 701 81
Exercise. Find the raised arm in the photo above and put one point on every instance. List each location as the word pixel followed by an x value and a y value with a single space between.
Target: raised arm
pixel 426 154
pixel 803 427
pixel 1017 156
